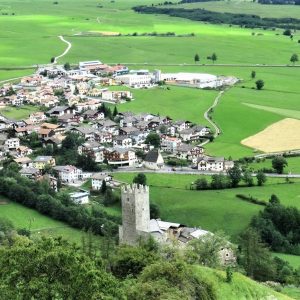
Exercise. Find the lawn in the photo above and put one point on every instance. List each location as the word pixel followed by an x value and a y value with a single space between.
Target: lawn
pixel 177 102
pixel 38 224
pixel 19 113
pixel 212 210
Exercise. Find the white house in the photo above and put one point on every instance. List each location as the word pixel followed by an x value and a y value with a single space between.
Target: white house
pixel 97 180
pixel 80 197
pixel 12 143
pixel 68 173
pixel 207 163
pixel 154 160
pixel 170 144
pixel 122 141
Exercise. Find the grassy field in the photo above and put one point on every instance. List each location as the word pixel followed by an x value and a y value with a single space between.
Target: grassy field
pixel 293 165
pixel 8 74
pixel 293 260
pixel 177 102
pixel 241 286
pixel 23 46
pixel 196 208
pixel 38 224
pixel 247 7
pixel 19 113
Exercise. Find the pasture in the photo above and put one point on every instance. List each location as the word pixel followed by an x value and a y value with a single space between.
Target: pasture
pixel 177 102
pixel 247 7
pixel 177 203
pixel 38 224
pixel 76 20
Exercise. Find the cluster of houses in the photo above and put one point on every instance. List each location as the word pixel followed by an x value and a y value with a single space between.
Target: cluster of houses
pixel 72 101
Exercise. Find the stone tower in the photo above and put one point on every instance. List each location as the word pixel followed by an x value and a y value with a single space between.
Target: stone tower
pixel 135 213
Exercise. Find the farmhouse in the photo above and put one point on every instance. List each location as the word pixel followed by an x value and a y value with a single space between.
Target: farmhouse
pixel 40 162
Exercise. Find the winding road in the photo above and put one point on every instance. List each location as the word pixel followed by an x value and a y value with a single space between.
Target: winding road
pixel 65 52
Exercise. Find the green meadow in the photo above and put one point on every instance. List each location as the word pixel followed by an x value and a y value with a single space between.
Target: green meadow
pixel 38 224
pixel 176 102
pixel 19 113
pixel 293 260
pixel 21 45
pixel 247 7
pixel 177 203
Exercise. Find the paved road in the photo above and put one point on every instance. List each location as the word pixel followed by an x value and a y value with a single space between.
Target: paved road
pixel 189 171
pixel 206 115
pixel 65 52
pixel 171 64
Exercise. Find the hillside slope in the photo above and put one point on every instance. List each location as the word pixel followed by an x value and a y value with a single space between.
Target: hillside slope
pixel 240 288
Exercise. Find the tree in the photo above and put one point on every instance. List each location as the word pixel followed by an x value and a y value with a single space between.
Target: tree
pixel 52 60
pixel 261 178
pixel 259 84
pixel 214 57
pixel 294 58
pixel 279 163
pixel 201 184
pixel 219 181
pixel 253 74
pixel 287 32
pixel 153 139
pixel 103 187
pixel 154 211
pixel 235 175
pixel 206 250
pixel 255 257
pixel 197 58
pixel 52 269
pixel 115 113
pixel 140 178
pixel 247 177
pixel 67 66
pixel 274 199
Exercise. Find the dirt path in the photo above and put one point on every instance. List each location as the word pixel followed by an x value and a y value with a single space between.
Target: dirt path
pixel 65 52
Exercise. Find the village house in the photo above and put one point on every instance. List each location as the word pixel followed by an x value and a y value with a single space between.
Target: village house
pixel 29 172
pixel 40 162
pixel 154 160
pixel 92 104
pixel 93 115
pixel 68 173
pixel 120 157
pixel 108 126
pixel 122 141
pixel 216 164
pixel 97 180
pixel 59 111
pixel 12 143
pixel 193 133
pixel 103 137
pixel 92 149
pixel 116 96
pixel 24 161
pixel 170 144
pixel 189 152
pixel 37 117
pixel 23 151
pixel 85 132
pixel 80 197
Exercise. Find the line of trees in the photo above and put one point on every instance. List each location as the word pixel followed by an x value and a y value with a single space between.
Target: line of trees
pixel 244 20
pixel 39 195
pixel 232 180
